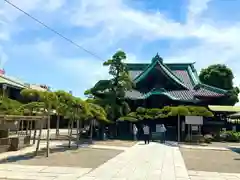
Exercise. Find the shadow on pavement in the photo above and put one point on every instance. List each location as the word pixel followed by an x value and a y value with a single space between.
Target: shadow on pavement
pixel 41 153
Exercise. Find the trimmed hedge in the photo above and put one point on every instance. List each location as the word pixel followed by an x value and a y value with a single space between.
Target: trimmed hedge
pixel 229 136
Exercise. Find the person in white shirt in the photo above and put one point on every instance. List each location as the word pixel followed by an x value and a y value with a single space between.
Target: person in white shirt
pixel 135 131
pixel 163 131
pixel 146 133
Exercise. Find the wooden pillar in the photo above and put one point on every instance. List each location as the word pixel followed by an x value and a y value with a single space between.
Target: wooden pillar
pixel 78 132
pixel 39 136
pixel 179 129
pixel 48 131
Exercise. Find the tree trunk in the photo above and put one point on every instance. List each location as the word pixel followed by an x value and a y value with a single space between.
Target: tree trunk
pixel 35 132
pixel 31 122
pixel 91 130
pixel 70 135
pixel 78 132
pixel 57 128
pixel 179 129
pixel 18 127
pixel 27 128
pixel 48 132
pixel 39 137
pixel 22 127
pixel 69 126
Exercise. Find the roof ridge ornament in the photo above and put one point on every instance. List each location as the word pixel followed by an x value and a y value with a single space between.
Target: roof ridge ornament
pixel 157 58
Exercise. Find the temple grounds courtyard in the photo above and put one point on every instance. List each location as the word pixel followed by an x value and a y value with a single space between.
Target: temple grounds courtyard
pixel 122 160
pixel 63 157
pixel 211 160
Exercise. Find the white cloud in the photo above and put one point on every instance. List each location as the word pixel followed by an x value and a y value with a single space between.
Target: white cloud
pixel 123 21
pixel 3 58
pixel 196 8
pixel 11 14
pixel 114 20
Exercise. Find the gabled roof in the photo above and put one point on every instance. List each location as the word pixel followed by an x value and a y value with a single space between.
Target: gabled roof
pixel 184 74
pixel 169 74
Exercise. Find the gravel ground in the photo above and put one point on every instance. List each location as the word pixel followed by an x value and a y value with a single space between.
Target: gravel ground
pixel 211 160
pixel 82 157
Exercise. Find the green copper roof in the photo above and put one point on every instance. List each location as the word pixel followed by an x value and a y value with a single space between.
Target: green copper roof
pixel 184 74
pixel 164 68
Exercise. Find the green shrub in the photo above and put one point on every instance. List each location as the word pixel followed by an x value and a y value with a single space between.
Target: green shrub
pixel 218 138
pixel 230 136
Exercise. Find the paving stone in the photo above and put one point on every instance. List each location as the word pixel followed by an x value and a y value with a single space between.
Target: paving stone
pixel 181 172
pixel 27 176
pixel 66 170
pixel 136 163
pixel 87 178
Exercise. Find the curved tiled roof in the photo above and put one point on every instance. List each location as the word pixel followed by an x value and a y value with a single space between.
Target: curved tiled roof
pixel 183 74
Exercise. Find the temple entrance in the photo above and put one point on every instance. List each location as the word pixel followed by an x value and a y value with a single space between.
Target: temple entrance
pixel 170 124
pixel 171 134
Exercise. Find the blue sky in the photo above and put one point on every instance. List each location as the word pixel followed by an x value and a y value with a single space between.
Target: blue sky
pixel 201 31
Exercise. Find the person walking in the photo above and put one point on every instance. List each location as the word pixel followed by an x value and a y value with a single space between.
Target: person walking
pixel 163 133
pixel 146 133
pixel 135 131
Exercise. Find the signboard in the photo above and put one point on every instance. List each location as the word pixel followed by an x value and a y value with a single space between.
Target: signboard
pixel 194 120
pixel 213 122
pixel 194 128
pixel 158 127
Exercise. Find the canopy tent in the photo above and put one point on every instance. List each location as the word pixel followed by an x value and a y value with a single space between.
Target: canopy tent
pixel 226 109
pixel 21 118
pixel 234 121
pixel 235 116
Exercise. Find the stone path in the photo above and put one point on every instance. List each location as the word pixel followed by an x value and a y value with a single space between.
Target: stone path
pixel 203 175
pixel 140 162
pixel 143 162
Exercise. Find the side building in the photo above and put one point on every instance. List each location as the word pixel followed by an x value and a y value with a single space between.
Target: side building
pixel 11 86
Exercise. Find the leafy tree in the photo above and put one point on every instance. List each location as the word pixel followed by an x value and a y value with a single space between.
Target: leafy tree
pixel 220 76
pixel 9 106
pixel 61 106
pixel 32 104
pixel 96 112
pixel 50 100
pixel 110 94
pixel 156 113
pixel 30 95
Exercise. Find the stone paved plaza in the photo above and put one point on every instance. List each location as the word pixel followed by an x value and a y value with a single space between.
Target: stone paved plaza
pixel 152 161
pixel 141 162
